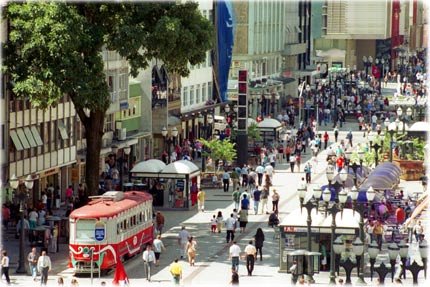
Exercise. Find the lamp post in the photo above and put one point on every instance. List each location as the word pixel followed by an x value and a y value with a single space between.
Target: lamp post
pixel 22 195
pixel 367 61
pixel 300 102
pixel 360 208
pixel 403 252
pixel 373 251
pixel 338 248
pixel 329 173
pixel 361 157
pixel 358 249
pixel 404 118
pixel 391 131
pixel 169 141
pixel 386 123
pixel 208 135
pixel 309 205
pixel 423 253
pixel 127 150
pixel 334 209
pixel 376 147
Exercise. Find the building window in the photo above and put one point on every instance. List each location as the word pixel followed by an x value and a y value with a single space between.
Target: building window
pixel 109 123
pixel 197 94
pixel 204 93
pixel 209 90
pixel 191 95
pixel 123 84
pixel 185 96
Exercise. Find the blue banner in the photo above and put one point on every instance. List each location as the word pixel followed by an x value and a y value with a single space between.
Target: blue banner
pixel 225 32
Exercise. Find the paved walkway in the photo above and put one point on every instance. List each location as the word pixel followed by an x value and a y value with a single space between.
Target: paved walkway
pixel 213 266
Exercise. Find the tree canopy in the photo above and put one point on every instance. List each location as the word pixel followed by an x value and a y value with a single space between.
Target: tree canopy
pixel 54 49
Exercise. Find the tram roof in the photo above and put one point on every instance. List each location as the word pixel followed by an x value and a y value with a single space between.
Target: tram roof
pixel 102 207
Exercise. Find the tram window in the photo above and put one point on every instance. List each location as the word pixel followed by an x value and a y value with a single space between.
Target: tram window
pixel 124 224
pixel 134 220
pixel 85 229
pixel 118 227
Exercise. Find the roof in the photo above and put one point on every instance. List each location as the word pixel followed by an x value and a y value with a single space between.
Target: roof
pixel 419 127
pixel 107 208
pixel 148 166
pixel 384 176
pixel 345 220
pixel 269 124
pixel 180 167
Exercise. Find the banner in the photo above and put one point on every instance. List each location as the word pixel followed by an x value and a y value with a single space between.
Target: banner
pixel 225 32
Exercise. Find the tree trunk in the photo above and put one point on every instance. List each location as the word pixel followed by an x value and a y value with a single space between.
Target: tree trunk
pixel 93 134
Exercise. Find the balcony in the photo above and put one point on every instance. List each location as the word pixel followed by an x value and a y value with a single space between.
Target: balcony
pixel 294 49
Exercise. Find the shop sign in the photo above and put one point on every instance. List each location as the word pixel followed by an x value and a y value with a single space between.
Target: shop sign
pixel 49 172
pixel 75 174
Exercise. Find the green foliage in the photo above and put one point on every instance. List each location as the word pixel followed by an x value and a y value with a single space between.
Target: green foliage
pixel 219 150
pixel 254 132
pixel 55 48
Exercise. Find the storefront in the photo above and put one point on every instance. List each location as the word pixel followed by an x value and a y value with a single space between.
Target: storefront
pixel 269 131
pixel 293 229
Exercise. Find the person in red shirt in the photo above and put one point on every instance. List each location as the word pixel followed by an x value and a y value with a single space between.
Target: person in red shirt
pixel 339 163
pixel 400 215
pixel 325 137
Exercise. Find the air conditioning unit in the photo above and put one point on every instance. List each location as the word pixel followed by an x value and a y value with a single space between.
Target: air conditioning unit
pixel 121 134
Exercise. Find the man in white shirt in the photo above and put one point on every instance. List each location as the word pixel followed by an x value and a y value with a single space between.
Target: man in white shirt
pixel 182 240
pixel 251 254
pixel 269 170
pixel 148 259
pixel 259 170
pixel 234 253
pixel 32 218
pixel 230 226
pixel 44 266
pixel 158 247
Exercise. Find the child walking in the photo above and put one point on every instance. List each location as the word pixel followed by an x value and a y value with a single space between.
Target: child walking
pixel 213 224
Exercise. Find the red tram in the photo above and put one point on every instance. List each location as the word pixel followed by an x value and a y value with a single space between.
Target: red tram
pixel 127 220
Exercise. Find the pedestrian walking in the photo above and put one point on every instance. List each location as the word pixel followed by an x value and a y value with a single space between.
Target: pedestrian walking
pixel 292 162
pixel 298 161
pixel 176 271
pixel 256 197
pixel 336 133
pixel 260 171
pixel 275 201
pixel 235 178
pixel 259 239
pixel 243 219
pixel 234 253
pixel 349 137
pixel 213 224
pixel 44 266
pixel 219 221
pixel 325 137
pixel 32 262
pixel 236 198
pixel 230 226
pixel 158 248
pixel 264 198
pixel 378 231
pixel 159 220
pixel 225 180
pixel 5 266
pixel 251 255
pixel 244 203
pixel 201 197
pixel 244 173
pixel 308 172
pixel 148 260
pixel 191 250
pixel 182 240
pixel 60 282
pixel 74 282
pixel 418 231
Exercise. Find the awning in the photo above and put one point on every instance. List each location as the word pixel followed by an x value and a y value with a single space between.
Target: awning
pixel 36 135
pixel 16 141
pixel 149 167
pixel 384 176
pixel 62 129
pixel 23 138
pixel 30 137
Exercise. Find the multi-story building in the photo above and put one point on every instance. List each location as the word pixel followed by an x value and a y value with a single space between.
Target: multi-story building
pixel 353 29
pixel 272 43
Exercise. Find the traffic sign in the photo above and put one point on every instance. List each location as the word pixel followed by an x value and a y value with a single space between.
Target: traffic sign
pixel 99 231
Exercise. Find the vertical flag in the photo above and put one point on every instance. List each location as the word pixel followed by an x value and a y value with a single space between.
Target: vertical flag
pixel 225 36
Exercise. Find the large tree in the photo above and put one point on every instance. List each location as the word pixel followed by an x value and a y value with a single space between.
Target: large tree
pixel 54 49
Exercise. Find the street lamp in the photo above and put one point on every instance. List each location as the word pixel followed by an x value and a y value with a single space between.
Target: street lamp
pixel 391 131
pixel 403 251
pixel 330 173
pixel 423 253
pixel 343 175
pixel 22 195
pixel 334 209
pixel 358 249
pixel 373 251
pixel 338 247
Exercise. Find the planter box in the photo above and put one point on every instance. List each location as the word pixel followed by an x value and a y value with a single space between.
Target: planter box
pixel 411 169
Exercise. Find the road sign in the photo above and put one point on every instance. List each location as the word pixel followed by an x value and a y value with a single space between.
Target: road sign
pixel 99 231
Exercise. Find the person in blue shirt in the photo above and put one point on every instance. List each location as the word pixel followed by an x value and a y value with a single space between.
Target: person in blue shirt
pixel 256 195
pixel 244 204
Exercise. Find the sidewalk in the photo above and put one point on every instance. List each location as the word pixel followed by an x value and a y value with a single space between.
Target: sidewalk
pixel 212 264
